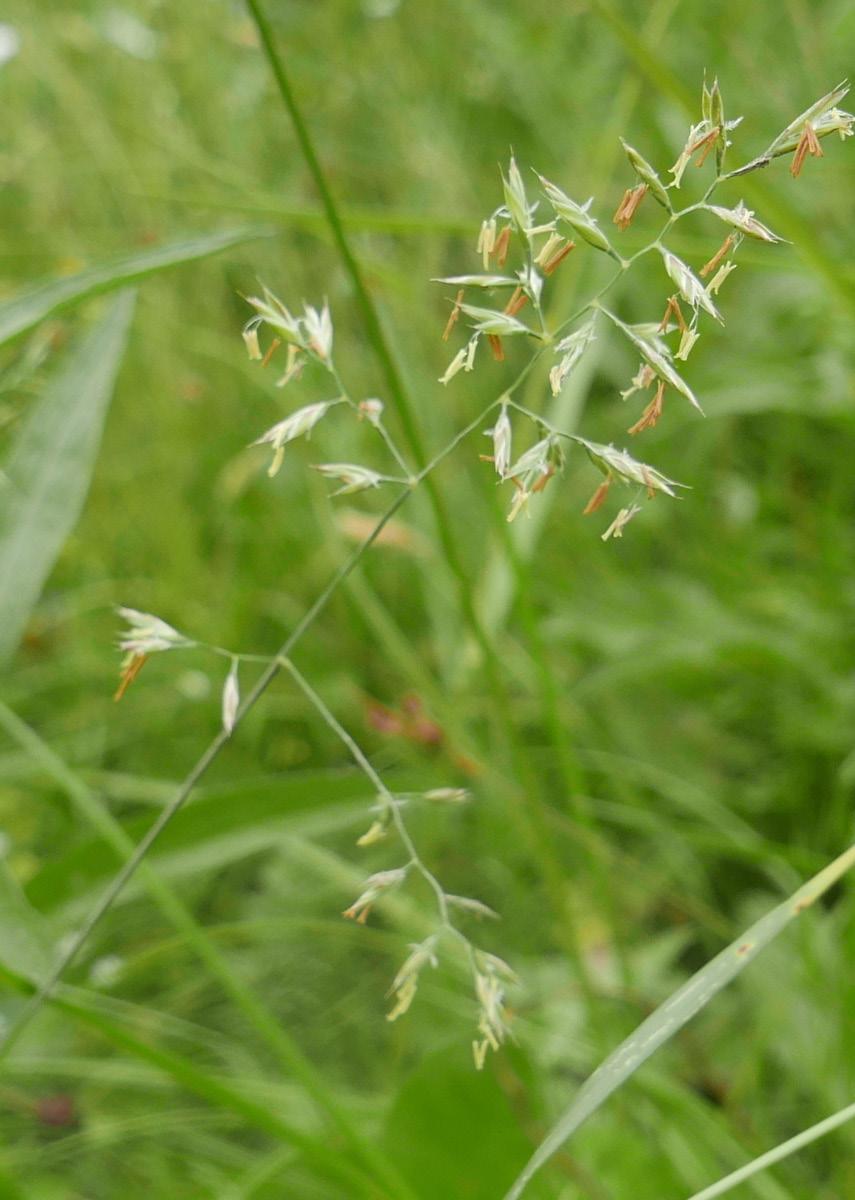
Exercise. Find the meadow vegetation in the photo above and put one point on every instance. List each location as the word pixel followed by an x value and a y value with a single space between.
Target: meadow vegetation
pixel 654 732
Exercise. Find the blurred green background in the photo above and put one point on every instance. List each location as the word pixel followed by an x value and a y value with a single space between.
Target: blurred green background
pixel 679 734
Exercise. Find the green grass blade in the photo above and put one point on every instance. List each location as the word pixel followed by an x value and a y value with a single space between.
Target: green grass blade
pixel 28 309
pixel 784 1150
pixel 50 467
pixel 391 221
pixel 676 1011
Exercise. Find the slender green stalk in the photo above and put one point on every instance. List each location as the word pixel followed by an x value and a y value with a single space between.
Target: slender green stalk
pixel 784 1150
pixel 362 761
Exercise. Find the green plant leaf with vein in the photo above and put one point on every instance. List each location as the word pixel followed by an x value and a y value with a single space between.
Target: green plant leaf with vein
pixel 28 309
pixel 50 467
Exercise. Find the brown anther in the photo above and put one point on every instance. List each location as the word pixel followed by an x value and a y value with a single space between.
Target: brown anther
pixel 648 483
pixel 557 259
pixel 271 350
pixel 515 295
pixel 130 670
pixel 651 414
pixel 517 301
pixel 672 308
pixel 354 914
pixel 808 144
pixel 626 210
pixel 500 249
pixel 723 249
pixel 597 499
pixel 705 144
pixel 495 343
pixel 455 313
pixel 544 479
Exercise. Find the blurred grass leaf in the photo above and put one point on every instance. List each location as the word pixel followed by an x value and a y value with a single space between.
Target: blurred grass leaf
pixel 50 467
pixel 223 826
pixel 28 309
pixel 23 934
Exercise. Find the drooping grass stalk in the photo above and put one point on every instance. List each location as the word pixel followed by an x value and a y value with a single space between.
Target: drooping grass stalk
pixel 532 817
pixel 364 764
pixel 492 1023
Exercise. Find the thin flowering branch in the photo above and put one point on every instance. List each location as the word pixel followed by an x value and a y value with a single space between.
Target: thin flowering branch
pixel 311 338
pixel 488 970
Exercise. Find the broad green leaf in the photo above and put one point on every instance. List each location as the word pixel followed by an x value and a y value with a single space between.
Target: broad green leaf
pixel 50 467
pixel 670 1017
pixel 24 311
pixel 453 1131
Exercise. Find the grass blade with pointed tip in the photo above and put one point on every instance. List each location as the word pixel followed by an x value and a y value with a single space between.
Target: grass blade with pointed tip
pixel 25 311
pixel 50 467
pixel 676 1011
